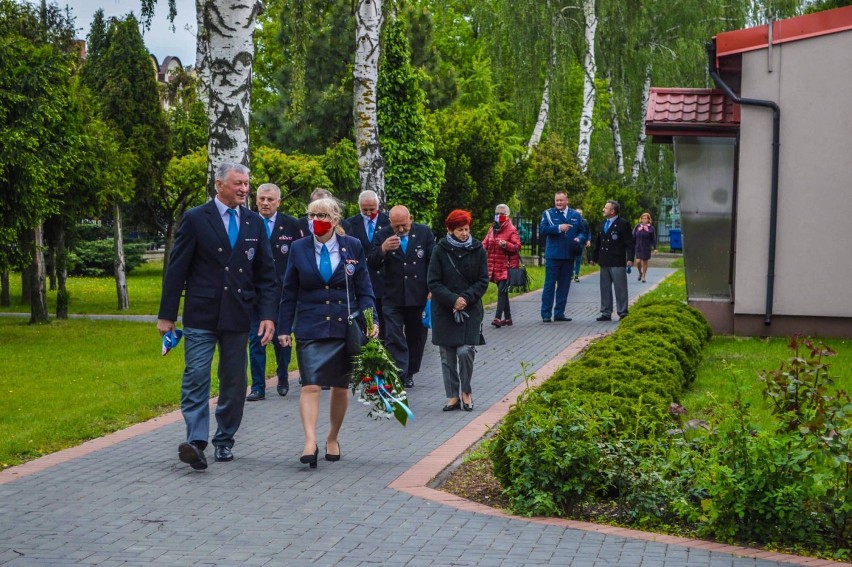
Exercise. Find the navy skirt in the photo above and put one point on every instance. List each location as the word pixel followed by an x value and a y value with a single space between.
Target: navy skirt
pixel 323 362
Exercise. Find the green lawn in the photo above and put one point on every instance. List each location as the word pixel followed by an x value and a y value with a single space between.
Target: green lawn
pixel 74 380
pixel 98 296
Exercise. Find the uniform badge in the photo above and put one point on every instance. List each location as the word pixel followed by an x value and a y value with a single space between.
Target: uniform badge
pixel 420 253
pixel 614 236
pixel 250 254
pixel 350 269
pixel 284 248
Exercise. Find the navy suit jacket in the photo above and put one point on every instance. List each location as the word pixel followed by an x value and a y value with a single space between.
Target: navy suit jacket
pixel 284 233
pixel 221 284
pixel 615 247
pixel 354 226
pixel 404 274
pixel 314 309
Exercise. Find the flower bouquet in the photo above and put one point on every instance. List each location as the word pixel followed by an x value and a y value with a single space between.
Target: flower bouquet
pixel 376 381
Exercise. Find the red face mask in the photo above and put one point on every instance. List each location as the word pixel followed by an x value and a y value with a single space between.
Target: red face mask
pixel 320 227
pixel 374 215
pixel 501 218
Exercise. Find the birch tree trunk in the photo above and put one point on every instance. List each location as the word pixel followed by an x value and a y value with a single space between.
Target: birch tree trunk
pixel 544 107
pixel 589 90
pixel 38 294
pixel 202 71
pixel 640 143
pixel 120 264
pixel 618 148
pixel 229 27
pixel 371 166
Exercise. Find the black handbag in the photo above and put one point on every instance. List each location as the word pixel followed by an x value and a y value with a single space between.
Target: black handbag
pixel 356 333
pixel 356 327
pixel 519 279
pixel 575 248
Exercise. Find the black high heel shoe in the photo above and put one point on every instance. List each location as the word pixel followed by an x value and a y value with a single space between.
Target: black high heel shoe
pixel 468 407
pixel 332 458
pixel 310 459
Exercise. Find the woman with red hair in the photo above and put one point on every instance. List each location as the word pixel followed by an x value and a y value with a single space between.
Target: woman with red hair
pixel 457 279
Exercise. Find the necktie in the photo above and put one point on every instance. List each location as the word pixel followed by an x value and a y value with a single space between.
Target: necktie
pixel 268 227
pixel 606 226
pixel 233 228
pixel 325 264
pixel 403 243
pixel 371 229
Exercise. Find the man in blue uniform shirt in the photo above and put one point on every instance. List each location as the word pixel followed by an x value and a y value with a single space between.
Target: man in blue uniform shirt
pixel 560 227
pixel 222 264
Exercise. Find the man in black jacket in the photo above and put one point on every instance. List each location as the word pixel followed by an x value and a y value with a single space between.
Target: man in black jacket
pixel 401 254
pixel 364 227
pixel 614 252
pixel 282 230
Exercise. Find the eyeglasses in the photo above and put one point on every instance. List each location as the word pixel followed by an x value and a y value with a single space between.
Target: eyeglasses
pixel 320 216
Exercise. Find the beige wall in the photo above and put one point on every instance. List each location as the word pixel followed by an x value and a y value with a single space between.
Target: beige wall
pixel 812 83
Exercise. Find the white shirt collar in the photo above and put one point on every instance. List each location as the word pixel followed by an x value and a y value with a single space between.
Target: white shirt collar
pixel 331 244
pixel 223 207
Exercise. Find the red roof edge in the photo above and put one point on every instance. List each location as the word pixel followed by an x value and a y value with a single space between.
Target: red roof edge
pixel 691 112
pixel 783 31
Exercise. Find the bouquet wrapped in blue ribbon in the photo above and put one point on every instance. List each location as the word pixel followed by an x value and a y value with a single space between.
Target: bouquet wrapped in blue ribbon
pixel 376 382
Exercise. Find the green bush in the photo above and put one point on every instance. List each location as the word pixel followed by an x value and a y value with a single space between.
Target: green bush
pixel 96 258
pixel 562 441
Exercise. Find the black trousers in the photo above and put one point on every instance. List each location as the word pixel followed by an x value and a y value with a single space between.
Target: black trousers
pixel 503 310
pixel 405 336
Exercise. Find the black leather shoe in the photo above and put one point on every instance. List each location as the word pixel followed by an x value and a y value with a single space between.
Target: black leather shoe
pixel 283 388
pixel 408 382
pixel 562 318
pixel 193 455
pixel 332 458
pixel 255 396
pixel 310 460
pixel 224 454
pixel 453 407
pixel 603 318
pixel 622 316
pixel 546 320
pixel 468 407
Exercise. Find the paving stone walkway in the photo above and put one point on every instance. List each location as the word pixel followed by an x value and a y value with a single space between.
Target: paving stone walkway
pixel 127 500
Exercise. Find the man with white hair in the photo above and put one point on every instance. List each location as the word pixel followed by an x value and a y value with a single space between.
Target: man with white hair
pixel 364 227
pixel 222 266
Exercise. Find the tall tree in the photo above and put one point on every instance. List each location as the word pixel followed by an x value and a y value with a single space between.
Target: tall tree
pixel 371 165
pixel 129 101
pixel 412 173
pixel 590 70
pixel 35 70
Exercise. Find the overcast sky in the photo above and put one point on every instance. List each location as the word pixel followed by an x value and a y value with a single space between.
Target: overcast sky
pixel 159 38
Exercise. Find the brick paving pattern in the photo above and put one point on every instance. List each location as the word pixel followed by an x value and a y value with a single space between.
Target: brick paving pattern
pixel 127 500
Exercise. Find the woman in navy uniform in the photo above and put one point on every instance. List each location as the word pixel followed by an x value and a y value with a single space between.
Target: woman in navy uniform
pixel 314 306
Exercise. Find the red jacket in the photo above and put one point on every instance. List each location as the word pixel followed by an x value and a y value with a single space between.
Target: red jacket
pixel 501 259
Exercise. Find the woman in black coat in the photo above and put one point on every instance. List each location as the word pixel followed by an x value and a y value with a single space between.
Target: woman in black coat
pixel 458 278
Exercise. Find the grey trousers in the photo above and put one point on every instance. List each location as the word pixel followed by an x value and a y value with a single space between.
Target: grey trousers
pixel 457 368
pixel 613 278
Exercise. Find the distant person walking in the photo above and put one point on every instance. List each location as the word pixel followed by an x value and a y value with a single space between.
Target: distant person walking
pixel 458 278
pixel 614 252
pixel 586 241
pixel 645 238
pixel 502 244
pixel 560 227
pixel 222 266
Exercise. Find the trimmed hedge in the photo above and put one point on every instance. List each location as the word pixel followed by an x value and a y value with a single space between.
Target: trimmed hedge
pixel 547 451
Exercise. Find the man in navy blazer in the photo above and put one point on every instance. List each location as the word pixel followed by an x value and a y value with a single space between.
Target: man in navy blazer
pixel 401 253
pixel 282 230
pixel 364 227
pixel 614 252
pixel 223 262
pixel 560 226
